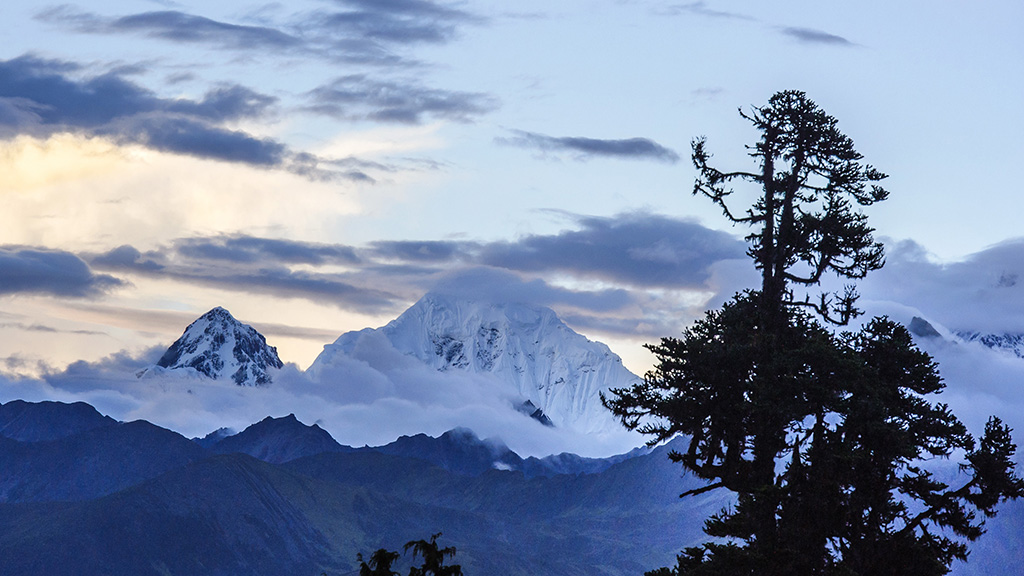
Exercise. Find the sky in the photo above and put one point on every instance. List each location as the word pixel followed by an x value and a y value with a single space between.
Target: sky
pixel 316 166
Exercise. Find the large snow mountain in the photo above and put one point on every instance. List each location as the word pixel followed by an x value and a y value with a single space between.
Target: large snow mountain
pixel 218 346
pixel 533 355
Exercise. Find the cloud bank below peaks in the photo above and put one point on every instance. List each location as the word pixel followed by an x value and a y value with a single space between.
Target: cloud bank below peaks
pixel 368 398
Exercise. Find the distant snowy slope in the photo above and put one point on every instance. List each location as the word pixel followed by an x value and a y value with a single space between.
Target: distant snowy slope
pixel 534 354
pixel 1010 342
pixel 218 346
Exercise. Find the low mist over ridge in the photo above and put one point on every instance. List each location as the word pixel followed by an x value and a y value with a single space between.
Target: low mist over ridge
pixel 282 497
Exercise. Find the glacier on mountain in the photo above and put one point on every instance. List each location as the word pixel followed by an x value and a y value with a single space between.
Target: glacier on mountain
pixel 528 350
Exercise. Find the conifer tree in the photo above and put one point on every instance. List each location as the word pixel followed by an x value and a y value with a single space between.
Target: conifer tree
pixel 379 564
pixel 824 439
pixel 433 558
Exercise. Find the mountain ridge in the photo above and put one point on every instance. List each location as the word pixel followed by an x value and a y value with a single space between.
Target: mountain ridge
pixel 278 440
pixel 235 514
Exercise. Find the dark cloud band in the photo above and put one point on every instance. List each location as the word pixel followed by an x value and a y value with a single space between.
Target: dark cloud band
pixel 625 253
pixel 42 97
pixel 249 249
pixel 584 148
pixel 811 36
pixel 359 97
pixel 357 31
pixel 39 271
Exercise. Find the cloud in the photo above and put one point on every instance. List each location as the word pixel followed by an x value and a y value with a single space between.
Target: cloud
pixel 226 103
pixel 635 249
pixel 494 285
pixel 250 249
pixel 42 97
pixel 287 283
pixel 48 329
pixel 427 251
pixel 701 9
pixel 358 32
pixel 125 257
pixel 276 281
pixel 253 265
pixel 370 397
pixel 308 38
pixel 53 272
pixel 173 26
pixel 707 93
pixel 181 27
pixel 398 21
pixel 804 35
pixel 187 136
pixel 812 36
pixel 57 99
pixel 226 250
pixel 983 292
pixel 358 97
pixel 603 268
pixel 168 324
pixel 586 148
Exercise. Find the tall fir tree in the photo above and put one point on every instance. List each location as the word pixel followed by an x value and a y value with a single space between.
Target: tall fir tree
pixel 822 438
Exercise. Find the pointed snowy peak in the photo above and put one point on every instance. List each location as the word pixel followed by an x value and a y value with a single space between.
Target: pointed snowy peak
pixel 218 346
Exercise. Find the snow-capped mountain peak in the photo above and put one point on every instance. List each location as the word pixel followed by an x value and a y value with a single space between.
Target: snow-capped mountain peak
pixel 218 346
pixel 540 360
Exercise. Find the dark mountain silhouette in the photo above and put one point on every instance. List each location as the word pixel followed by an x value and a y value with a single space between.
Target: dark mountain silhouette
pixel 213 437
pixel 461 451
pixel 458 450
pixel 136 499
pixel 91 464
pixel 278 440
pixel 39 421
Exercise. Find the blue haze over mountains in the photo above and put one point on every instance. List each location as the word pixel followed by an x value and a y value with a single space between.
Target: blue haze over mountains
pixel 155 501
pixel 282 497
